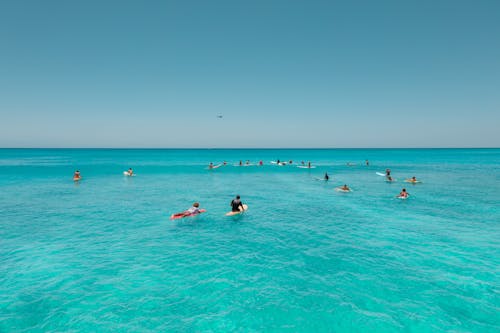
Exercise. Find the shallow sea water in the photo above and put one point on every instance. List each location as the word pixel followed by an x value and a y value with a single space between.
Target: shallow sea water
pixel 102 255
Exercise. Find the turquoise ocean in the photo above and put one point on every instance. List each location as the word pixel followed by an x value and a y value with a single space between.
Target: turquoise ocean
pixel 102 255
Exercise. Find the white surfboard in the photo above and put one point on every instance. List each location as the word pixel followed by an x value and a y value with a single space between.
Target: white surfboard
pixel 245 208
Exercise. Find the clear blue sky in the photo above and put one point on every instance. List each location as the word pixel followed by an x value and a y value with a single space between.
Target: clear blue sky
pixel 282 73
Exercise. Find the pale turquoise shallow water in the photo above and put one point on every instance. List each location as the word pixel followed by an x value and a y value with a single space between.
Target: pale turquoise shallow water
pixel 103 256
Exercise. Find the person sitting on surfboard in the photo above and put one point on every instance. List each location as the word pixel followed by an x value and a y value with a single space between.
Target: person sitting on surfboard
pixel 236 204
pixel 195 209
pixel 130 171
pixel 326 176
pixel 387 172
pixel 403 194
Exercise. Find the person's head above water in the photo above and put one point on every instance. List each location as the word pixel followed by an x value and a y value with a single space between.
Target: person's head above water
pixel 237 197
pixel 196 204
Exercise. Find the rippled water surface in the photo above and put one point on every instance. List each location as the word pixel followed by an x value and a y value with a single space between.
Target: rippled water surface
pixel 102 255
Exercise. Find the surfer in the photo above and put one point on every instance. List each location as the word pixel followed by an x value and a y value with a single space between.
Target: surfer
pixel 345 188
pixel 130 171
pixel 236 204
pixel 194 210
pixel 387 172
pixel 309 165
pixel 367 163
pixel 76 175
pixel 261 163
pixel 389 179
pixel 403 194
pixel 412 180
pixel 211 165
pixel 326 176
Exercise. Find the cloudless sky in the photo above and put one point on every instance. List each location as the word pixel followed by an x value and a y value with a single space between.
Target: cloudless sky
pixel 282 73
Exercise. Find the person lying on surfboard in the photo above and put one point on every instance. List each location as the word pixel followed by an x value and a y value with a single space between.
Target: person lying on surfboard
pixel 412 180
pixel 403 194
pixel 236 204
pixel 344 188
pixel 195 209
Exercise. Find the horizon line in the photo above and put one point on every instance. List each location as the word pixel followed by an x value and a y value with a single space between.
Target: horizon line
pixel 239 148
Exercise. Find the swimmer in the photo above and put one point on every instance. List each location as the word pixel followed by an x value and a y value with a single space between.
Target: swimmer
pixel 326 176
pixel 387 172
pixel 367 163
pixel 236 204
pixel 130 171
pixel 225 163
pixel 211 165
pixel 247 162
pixel 290 162
pixel 194 210
pixel 76 175
pixel 241 163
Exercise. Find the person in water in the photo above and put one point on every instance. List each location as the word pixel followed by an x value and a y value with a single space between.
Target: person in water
pixel 130 171
pixel 389 179
pixel 326 176
pixel 413 179
pixel 261 163
pixel 344 188
pixel 194 210
pixel 236 204
pixel 387 172
pixel 309 165
pixel 403 194
pixel 76 175
pixel 211 165
pixel 367 163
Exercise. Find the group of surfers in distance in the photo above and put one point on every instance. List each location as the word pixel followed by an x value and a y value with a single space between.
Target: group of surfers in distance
pixel 302 164
pixel 237 207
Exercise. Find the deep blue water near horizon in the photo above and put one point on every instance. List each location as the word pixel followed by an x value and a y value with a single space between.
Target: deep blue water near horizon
pixel 102 254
